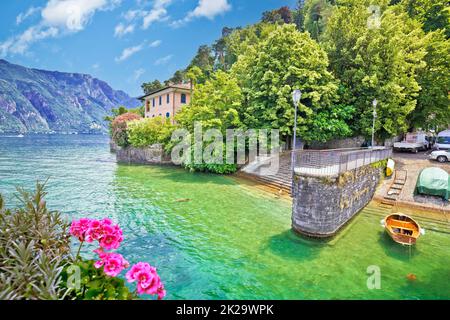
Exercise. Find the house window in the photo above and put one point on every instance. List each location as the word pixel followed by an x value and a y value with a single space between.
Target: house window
pixel 168 98
pixel 160 100
pixel 147 106
pixel 153 102
pixel 153 116
pixel 168 115
pixel 183 98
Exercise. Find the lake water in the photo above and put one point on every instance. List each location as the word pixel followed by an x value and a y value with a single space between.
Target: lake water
pixel 231 240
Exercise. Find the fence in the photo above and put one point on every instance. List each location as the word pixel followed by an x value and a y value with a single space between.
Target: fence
pixel 337 161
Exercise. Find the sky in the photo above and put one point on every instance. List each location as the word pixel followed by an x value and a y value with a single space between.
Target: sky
pixel 123 42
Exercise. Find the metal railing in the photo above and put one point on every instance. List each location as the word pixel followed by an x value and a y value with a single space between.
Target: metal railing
pixel 336 161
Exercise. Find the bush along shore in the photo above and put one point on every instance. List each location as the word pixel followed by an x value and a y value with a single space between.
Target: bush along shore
pixel 37 263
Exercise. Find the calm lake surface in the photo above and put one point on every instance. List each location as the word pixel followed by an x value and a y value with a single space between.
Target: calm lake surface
pixel 231 241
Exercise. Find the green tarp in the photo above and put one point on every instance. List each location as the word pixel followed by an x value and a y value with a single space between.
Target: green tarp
pixel 434 182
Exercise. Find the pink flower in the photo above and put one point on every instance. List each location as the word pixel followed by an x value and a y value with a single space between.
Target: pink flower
pixel 112 263
pixel 104 231
pixel 79 228
pixel 148 281
pixel 111 237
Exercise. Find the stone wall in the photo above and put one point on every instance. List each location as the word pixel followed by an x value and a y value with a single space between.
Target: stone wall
pixel 113 147
pixel 149 155
pixel 322 205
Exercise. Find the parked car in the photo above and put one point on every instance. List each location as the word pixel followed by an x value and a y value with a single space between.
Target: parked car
pixel 440 155
pixel 443 140
pixel 414 142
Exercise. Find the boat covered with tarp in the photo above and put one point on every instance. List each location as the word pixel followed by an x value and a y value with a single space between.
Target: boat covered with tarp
pixel 434 182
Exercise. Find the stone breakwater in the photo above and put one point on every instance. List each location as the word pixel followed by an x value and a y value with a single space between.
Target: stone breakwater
pixel 154 154
pixel 323 205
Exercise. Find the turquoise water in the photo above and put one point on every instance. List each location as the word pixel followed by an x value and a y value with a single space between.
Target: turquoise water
pixel 231 240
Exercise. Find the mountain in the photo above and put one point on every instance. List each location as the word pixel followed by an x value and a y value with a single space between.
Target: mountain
pixel 33 100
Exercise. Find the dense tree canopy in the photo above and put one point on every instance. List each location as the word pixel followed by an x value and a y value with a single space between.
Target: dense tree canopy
pixel 434 14
pixel 215 104
pixel 269 71
pixel 149 87
pixel 380 62
pixel 433 103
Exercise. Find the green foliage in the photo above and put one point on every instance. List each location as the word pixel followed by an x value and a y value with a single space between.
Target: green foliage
pixel 115 112
pixel 218 168
pixel 433 104
pixel 279 16
pixel 215 104
pixel 177 78
pixel 149 87
pixel 330 123
pixel 204 60
pixel 34 249
pixel 433 14
pixel 149 131
pixel 379 63
pixel 316 14
pixel 95 284
pixel 271 69
pixel 119 126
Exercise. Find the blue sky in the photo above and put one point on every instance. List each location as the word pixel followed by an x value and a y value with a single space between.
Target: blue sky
pixel 123 42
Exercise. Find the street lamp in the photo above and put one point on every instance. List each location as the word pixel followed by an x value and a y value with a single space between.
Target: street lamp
pixel 374 103
pixel 296 96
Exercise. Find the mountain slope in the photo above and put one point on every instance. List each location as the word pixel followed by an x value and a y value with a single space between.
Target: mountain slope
pixel 34 100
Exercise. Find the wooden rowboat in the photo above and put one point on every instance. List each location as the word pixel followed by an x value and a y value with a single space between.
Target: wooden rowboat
pixel 402 229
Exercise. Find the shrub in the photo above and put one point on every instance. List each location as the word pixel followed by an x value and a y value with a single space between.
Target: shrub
pixel 119 128
pixel 145 132
pixel 34 249
pixel 219 168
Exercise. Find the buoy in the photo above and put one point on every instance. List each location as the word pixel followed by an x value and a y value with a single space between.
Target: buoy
pixel 390 167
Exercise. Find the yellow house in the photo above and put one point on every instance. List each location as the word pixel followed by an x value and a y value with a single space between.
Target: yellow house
pixel 166 102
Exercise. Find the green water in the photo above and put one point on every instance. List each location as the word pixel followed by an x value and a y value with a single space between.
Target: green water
pixel 231 240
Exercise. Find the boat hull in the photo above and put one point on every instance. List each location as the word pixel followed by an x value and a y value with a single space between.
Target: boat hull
pixel 402 229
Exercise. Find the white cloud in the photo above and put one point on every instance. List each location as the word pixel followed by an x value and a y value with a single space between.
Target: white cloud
pixel 128 52
pixel 207 9
pixel 74 15
pixel 20 43
pixel 138 74
pixel 58 17
pixel 122 30
pixel 210 8
pixel 25 15
pixel 163 60
pixel 155 44
pixel 157 13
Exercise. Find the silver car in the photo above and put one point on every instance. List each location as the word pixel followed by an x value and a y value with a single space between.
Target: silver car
pixel 440 155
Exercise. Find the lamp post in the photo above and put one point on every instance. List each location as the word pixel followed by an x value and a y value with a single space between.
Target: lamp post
pixel 374 103
pixel 296 96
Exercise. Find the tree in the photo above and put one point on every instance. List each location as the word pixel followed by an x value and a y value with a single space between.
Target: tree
pixel 177 78
pixel 268 73
pixel 316 14
pixel 379 63
pixel 434 14
pixel 193 74
pixel 149 87
pixel 278 16
pixel 215 104
pixel 204 60
pixel 298 15
pixel 433 104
